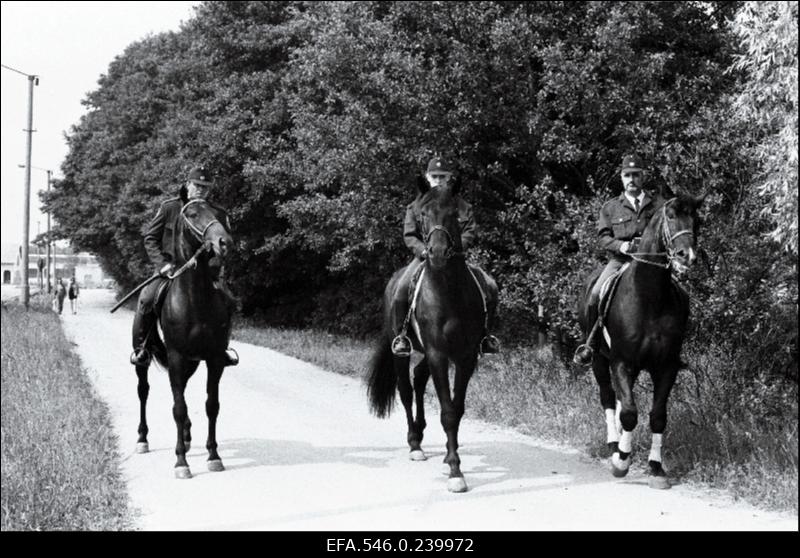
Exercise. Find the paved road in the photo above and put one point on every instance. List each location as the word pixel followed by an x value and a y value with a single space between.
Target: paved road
pixel 303 453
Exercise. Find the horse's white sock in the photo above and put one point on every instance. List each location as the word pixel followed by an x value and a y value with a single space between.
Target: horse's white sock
pixel 655 448
pixel 626 442
pixel 612 434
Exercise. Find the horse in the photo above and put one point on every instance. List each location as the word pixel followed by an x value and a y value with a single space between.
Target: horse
pixel 447 326
pixel 646 321
pixel 195 319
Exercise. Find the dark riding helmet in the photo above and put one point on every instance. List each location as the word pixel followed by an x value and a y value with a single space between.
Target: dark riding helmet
pixel 439 164
pixel 632 163
pixel 200 175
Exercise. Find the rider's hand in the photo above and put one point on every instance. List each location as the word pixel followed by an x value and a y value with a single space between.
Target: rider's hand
pixel 423 255
pixel 625 247
pixel 166 270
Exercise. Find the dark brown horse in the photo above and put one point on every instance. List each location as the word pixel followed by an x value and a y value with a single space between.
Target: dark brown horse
pixel 195 318
pixel 447 326
pixel 646 323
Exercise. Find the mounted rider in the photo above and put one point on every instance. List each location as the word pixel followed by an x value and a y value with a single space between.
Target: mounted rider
pixel 439 173
pixel 619 229
pixel 159 242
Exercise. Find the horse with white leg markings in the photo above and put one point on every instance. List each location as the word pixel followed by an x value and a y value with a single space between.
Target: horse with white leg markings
pixel 644 322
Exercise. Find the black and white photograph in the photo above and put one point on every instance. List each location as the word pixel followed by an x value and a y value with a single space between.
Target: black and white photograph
pixel 399 276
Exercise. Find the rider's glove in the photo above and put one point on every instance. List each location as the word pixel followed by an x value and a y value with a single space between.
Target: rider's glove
pixel 423 255
pixel 166 270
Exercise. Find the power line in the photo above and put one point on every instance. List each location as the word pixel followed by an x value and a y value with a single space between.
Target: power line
pixel 15 70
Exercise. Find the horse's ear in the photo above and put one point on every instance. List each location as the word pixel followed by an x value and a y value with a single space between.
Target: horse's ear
pixel 456 188
pixel 422 184
pixel 184 195
pixel 698 201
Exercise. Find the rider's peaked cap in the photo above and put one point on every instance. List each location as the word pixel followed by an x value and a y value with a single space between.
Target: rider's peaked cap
pixel 439 164
pixel 632 163
pixel 200 175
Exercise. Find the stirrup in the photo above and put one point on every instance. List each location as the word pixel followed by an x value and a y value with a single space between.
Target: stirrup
pixel 140 357
pixel 583 355
pixel 490 342
pixel 401 345
pixel 231 357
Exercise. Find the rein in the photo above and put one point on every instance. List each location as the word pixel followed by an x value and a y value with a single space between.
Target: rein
pixel 189 264
pixel 668 239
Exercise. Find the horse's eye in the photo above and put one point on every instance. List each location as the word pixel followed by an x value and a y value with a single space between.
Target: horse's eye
pixel 192 215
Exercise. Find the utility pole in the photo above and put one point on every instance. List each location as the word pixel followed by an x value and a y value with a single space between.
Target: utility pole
pixel 49 284
pixel 26 291
pixel 27 210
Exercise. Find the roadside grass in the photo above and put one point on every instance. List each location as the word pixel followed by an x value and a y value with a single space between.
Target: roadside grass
pixel 741 440
pixel 60 464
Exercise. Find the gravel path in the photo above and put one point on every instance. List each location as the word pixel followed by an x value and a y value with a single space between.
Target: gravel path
pixel 302 452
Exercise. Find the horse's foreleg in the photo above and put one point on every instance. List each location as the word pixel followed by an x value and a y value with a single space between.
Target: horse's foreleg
pixel 623 377
pixel 421 375
pixel 212 411
pixel 452 411
pixel 143 389
pixel 663 380
pixel 180 412
pixel 607 399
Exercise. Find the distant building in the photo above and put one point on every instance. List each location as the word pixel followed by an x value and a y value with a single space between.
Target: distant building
pixel 82 265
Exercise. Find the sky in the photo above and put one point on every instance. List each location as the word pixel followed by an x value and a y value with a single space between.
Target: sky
pixel 69 45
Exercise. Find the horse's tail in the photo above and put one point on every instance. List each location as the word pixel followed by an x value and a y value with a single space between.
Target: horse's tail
pixel 381 378
pixel 156 347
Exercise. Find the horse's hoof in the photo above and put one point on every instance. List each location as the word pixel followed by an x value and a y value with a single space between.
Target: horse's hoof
pixel 659 483
pixel 183 473
pixel 456 484
pixel 417 455
pixel 619 467
pixel 142 447
pixel 215 465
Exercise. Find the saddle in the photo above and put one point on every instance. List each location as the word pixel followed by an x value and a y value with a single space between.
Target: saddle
pixel 607 291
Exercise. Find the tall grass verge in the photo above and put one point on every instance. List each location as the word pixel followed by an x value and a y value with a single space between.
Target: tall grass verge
pixel 721 434
pixel 60 465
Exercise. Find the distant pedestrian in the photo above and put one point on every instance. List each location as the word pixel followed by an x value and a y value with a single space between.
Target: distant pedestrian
pixel 73 295
pixel 61 293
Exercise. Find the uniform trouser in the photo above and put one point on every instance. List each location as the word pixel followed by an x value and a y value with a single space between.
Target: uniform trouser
pixel 402 295
pixel 145 318
pixel 611 268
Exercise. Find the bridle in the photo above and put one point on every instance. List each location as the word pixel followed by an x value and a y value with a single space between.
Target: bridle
pixel 450 252
pixel 199 234
pixel 668 239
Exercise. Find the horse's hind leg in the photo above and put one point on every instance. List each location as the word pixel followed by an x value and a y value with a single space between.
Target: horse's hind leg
pixel 421 375
pixel 624 377
pixel 607 399
pixel 212 411
pixel 406 397
pixel 663 380
pixel 143 389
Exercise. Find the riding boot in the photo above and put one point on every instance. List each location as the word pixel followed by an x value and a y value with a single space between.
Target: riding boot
pixel 231 357
pixel 401 344
pixel 143 324
pixel 583 354
pixel 490 344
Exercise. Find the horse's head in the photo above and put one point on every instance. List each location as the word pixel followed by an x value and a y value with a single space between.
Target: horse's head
pixel 202 227
pixel 438 208
pixel 679 226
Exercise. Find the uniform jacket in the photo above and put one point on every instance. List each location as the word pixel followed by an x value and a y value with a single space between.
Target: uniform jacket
pixel 159 235
pixel 619 222
pixel 412 228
